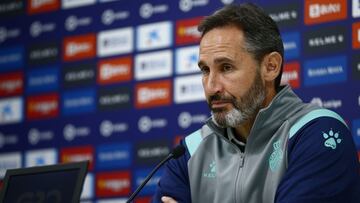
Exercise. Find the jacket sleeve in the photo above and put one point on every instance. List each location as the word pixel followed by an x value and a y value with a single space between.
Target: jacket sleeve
pixel 174 181
pixel 322 165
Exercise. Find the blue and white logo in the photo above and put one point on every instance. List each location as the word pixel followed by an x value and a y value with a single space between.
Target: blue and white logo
pixel 11 58
pixel 154 36
pixel 11 110
pixel 113 156
pixel 42 80
pixel 41 157
pixel 153 65
pixel 291 42
pixel 188 89
pixel 325 71
pixel 187 60
pixel 78 101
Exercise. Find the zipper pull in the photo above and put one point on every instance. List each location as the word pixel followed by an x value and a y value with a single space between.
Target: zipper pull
pixel 242 157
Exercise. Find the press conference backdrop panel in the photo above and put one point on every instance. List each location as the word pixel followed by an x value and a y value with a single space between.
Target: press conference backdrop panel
pixel 116 81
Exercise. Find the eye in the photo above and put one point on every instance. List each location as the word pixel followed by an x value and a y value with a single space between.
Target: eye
pixel 227 67
pixel 204 70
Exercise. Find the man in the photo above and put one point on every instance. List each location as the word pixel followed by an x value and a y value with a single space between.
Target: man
pixel 262 143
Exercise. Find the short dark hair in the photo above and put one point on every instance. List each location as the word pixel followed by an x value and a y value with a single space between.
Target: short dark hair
pixel 262 35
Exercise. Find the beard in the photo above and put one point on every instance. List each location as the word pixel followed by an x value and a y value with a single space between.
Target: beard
pixel 244 108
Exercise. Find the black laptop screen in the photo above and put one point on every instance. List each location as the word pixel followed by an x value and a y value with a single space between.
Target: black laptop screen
pixel 37 187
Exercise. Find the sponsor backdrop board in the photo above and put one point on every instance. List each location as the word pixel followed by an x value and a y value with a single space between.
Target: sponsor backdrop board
pixel 116 82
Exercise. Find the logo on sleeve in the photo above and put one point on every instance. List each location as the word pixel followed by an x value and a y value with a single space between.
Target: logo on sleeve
pixel 331 139
pixel 211 172
pixel 276 156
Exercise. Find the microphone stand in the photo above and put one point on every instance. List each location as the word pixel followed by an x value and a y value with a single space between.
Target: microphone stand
pixel 170 156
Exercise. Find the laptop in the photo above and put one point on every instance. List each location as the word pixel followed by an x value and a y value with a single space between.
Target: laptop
pixel 60 183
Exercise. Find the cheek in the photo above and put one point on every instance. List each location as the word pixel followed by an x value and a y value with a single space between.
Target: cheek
pixel 237 87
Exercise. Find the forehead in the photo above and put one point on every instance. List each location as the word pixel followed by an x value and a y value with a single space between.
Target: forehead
pixel 225 41
pixel 226 35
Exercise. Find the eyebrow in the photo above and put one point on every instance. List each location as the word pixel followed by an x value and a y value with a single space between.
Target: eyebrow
pixel 217 61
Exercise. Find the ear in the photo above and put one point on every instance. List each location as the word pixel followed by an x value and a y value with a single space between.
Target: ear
pixel 271 66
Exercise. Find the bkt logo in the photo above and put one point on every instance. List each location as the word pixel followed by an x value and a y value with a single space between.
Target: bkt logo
pixel 35 136
pixel 110 184
pixel 11 84
pixel 188 89
pixel 67 4
pixel 73 22
pixel 355 8
pixel 153 94
pixel 7 33
pixel 76 154
pixel 11 8
pixel 114 98
pixel 186 31
pixel 154 36
pixel 153 65
pixel 8 139
pixel 11 110
pixel 79 47
pixel 291 74
pixel 147 9
pixel 150 187
pixel 79 101
pixel 326 40
pixel 151 152
pixel 114 70
pixel 356 35
pixel 187 60
pixel 185 119
pixel 145 123
pixel 42 80
pixel 71 132
pixel 9 161
pixel 325 71
pixel 285 15
pixel 330 104
pixel 291 42
pixel 115 42
pixel 11 58
pixel 109 16
pixel 79 75
pixel 356 132
pixel 113 156
pixel 45 53
pixel 42 106
pixel 41 157
pixel 320 11
pixel 37 28
pixel 187 5
pixel 108 128
pixel 40 6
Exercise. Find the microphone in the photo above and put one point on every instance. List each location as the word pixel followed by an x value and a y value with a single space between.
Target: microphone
pixel 177 152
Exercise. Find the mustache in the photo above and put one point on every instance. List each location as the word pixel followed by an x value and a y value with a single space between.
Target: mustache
pixel 219 97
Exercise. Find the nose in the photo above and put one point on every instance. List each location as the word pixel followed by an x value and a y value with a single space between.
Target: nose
pixel 212 84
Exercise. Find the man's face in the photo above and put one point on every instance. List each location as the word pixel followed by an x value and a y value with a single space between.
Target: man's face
pixel 231 77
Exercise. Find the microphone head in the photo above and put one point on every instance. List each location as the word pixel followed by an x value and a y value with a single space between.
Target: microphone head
pixel 178 151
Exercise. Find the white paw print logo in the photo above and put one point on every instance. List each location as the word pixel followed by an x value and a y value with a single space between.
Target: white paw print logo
pixel 331 139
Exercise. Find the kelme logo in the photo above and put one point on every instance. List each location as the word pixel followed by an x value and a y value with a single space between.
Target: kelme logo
pixel 211 171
